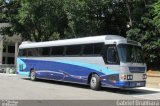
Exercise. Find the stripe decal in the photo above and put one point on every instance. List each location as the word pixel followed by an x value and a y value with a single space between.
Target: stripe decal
pixel 99 68
pixel 64 70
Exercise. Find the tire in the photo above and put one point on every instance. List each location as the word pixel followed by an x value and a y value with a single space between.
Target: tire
pixel 95 83
pixel 33 75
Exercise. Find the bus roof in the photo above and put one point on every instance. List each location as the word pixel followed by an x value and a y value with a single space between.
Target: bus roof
pixel 75 41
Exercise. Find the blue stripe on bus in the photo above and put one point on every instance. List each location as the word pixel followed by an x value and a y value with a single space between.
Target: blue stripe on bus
pixel 99 68
pixel 72 71
pixel 70 65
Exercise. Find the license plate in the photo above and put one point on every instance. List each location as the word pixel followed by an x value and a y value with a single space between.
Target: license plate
pixel 138 84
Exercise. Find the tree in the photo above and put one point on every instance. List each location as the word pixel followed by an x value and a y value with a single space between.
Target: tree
pixel 156 18
pixel 145 30
pixel 96 17
pixel 43 19
pixel 9 14
pixel 35 20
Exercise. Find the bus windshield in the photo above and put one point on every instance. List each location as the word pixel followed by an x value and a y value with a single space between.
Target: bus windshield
pixel 130 53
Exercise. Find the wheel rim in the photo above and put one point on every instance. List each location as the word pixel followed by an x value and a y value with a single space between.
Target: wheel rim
pixel 32 75
pixel 93 81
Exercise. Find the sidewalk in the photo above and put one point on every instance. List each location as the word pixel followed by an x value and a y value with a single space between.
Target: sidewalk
pixel 153 82
pixel 153 73
pixel 153 79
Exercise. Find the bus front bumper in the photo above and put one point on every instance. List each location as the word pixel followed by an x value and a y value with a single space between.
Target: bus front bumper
pixel 130 84
pixel 124 84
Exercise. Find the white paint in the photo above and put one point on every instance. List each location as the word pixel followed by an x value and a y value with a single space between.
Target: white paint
pixel 85 40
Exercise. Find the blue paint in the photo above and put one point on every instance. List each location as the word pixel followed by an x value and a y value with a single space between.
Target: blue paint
pixel 71 71
pixel 19 71
pixel 91 66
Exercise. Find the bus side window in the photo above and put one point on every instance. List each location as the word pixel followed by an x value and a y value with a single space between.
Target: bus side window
pixel 73 50
pixel 45 51
pixel 98 48
pixel 111 55
pixel 88 49
pixel 29 52
pixel 22 52
pixel 59 50
pixel 32 52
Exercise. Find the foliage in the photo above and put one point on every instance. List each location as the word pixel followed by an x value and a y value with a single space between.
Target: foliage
pixel 156 18
pixel 41 20
pixel 146 30
pixel 92 17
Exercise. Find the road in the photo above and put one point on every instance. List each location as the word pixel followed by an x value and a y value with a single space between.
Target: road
pixel 14 87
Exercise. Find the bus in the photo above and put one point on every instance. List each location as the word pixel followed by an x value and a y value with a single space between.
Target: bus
pixel 97 61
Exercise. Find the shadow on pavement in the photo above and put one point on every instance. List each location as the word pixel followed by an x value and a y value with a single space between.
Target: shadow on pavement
pixel 128 91
pixel 60 83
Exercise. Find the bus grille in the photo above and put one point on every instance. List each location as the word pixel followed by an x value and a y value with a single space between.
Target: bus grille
pixel 137 69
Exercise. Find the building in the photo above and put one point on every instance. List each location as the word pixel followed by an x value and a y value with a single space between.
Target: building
pixel 8 49
pixel 8 45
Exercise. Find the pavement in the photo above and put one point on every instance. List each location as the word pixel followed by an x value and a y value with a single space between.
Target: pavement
pixel 14 87
pixel 153 79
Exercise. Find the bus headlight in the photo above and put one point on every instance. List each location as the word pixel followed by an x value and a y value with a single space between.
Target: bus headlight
pixel 126 77
pixel 129 77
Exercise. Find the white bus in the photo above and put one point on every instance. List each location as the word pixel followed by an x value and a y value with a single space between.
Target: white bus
pixel 98 61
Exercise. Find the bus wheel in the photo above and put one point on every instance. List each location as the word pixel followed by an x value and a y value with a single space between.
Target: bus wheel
pixel 33 75
pixel 95 82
